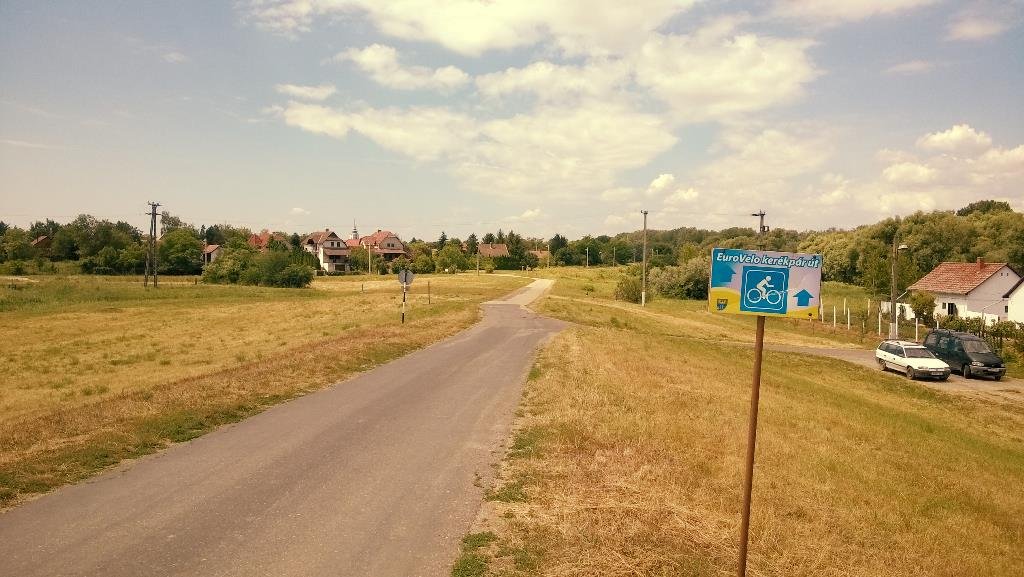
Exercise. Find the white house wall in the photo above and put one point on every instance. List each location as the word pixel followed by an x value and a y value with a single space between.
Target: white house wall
pixel 988 299
pixel 1015 305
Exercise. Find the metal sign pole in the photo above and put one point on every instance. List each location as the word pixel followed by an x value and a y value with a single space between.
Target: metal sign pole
pixel 755 394
pixel 405 289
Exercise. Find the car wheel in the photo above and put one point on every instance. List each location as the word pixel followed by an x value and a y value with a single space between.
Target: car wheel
pixel 881 364
pixel 998 377
pixel 966 371
pixel 910 373
pixel 945 378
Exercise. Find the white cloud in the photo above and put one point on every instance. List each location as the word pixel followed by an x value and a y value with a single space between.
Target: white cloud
pixel 619 194
pixel 318 93
pixel 832 12
pixel 298 211
pixel 382 64
pixel 551 152
pixel 661 184
pixel 961 138
pixel 833 190
pixel 943 180
pixel 681 196
pixel 471 28
pixel 556 82
pixel 174 57
pixel 908 173
pixel 911 67
pixel 982 20
pixel 765 156
pixel 527 215
pixel 714 74
pixel 27 144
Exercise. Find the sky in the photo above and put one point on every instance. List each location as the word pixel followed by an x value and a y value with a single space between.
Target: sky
pixel 422 116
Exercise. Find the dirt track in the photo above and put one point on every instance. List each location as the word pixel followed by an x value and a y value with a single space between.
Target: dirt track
pixel 1008 389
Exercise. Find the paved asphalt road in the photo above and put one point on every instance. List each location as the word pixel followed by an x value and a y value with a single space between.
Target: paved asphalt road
pixel 372 477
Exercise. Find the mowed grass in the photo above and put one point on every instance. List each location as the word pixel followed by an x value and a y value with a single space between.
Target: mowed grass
pixel 629 460
pixel 99 370
pixel 587 296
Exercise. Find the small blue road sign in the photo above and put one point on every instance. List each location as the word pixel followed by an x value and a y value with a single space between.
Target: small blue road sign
pixel 765 283
pixel 764 289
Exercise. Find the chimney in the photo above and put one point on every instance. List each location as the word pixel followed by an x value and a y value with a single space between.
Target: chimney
pixel 981 263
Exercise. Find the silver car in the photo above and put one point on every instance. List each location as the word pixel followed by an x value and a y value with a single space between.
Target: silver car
pixel 911 359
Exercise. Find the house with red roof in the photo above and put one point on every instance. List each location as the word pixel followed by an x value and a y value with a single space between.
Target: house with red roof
pixel 261 241
pixel 492 250
pixel 329 249
pixel 970 289
pixel 383 243
pixel 211 252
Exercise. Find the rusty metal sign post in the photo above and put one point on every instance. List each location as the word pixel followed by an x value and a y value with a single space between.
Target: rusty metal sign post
pixel 763 284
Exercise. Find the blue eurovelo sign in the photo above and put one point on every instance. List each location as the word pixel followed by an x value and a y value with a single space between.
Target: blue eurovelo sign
pixel 765 283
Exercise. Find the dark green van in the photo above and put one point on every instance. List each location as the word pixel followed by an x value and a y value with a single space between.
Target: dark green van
pixel 965 353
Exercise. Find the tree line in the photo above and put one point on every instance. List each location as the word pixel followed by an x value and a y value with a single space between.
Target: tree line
pixel 678 258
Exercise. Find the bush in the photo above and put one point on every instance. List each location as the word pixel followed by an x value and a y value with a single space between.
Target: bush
pixel 296 276
pixel 628 289
pixel 689 281
pixel 668 282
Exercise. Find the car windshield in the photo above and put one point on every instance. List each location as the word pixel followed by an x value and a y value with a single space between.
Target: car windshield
pixel 972 346
pixel 919 353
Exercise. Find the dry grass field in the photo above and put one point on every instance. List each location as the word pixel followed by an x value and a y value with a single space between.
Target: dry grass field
pixel 96 370
pixel 628 459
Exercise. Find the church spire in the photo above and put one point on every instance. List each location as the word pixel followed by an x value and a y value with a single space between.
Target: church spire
pixel 355 231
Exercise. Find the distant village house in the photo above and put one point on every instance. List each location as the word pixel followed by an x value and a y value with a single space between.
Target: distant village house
pixel 329 248
pixel 211 252
pixel 491 250
pixel 384 244
pixel 970 289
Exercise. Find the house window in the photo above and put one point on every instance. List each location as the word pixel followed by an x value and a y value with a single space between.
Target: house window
pixel 1006 309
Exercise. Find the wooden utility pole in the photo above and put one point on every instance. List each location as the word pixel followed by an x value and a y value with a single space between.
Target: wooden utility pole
pixel 151 256
pixel 755 396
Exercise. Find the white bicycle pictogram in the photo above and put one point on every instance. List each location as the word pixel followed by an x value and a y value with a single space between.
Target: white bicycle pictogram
pixel 757 294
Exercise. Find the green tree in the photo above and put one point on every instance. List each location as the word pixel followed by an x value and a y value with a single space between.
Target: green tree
pixel 40 228
pixel 230 266
pixel 442 241
pixel 16 245
pixel 132 259
pixel 64 245
pixel 296 276
pixel 488 238
pixel 450 259
pixel 982 206
pixel 422 264
pixel 923 305
pixel 357 259
pixel 472 244
pixel 180 252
